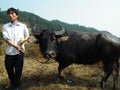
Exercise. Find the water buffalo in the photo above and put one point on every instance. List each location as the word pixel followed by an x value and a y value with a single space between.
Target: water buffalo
pixel 68 47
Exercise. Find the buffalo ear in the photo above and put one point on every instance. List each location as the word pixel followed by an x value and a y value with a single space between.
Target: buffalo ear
pixel 62 39
pixel 33 39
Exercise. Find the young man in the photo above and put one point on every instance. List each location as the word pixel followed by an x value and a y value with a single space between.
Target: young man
pixel 15 34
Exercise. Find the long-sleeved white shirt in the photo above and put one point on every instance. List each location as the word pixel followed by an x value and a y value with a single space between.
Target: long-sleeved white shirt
pixel 14 32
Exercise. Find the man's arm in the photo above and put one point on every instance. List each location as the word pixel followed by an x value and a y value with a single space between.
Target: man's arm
pixel 12 44
pixel 23 41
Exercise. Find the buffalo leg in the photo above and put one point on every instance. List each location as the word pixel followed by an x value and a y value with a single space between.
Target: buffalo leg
pixel 107 72
pixel 111 68
pixel 60 71
pixel 104 79
pixel 115 74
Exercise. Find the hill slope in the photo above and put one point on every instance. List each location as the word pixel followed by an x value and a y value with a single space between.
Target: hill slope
pixel 31 19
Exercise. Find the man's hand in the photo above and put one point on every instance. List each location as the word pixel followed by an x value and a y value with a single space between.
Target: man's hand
pixel 20 42
pixel 20 49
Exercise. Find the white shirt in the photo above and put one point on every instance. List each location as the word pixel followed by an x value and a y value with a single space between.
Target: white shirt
pixel 14 32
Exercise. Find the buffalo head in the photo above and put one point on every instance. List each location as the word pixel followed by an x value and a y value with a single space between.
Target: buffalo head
pixel 48 41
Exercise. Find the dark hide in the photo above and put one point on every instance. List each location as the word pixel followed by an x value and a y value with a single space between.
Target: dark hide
pixel 82 48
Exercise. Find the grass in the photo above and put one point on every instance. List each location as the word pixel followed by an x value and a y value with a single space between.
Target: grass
pixel 39 76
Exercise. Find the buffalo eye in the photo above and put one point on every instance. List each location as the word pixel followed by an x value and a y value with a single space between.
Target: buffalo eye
pixel 53 38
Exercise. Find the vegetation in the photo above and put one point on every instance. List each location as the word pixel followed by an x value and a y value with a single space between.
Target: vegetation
pixel 74 26
pixel 31 19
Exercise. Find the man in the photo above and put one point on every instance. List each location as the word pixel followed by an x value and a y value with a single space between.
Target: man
pixel 15 34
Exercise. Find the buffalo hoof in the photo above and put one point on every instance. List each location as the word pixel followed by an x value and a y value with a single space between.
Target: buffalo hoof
pixel 62 77
pixel 114 87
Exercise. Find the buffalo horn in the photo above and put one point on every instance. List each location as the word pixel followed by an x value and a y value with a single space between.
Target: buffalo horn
pixel 34 31
pixel 61 32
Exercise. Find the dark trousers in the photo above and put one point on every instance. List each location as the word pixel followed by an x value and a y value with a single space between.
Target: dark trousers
pixel 14 66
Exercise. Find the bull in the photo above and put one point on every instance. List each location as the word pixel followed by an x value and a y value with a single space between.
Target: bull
pixel 68 47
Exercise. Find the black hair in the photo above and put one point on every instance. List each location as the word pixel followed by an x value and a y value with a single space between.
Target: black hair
pixel 13 10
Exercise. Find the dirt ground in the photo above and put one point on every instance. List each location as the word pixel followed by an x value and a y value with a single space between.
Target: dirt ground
pixel 43 76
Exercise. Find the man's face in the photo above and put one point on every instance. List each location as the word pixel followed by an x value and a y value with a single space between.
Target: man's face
pixel 12 16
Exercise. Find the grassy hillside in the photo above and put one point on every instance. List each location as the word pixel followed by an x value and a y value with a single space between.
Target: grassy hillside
pixel 31 19
pixel 74 26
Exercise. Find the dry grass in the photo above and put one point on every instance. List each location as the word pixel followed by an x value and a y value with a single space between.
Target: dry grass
pixel 41 76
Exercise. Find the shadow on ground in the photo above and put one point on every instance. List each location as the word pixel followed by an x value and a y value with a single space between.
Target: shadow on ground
pixel 46 80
